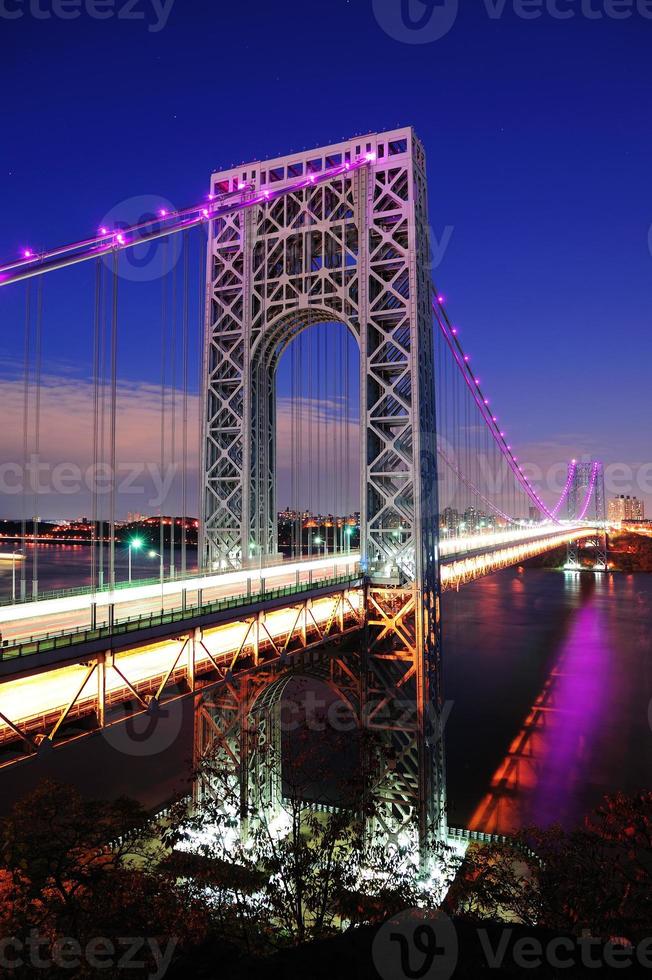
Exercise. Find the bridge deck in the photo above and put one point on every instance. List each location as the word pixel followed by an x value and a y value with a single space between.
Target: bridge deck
pixel 46 680
pixel 26 626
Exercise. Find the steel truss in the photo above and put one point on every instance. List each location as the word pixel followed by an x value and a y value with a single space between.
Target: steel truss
pixel 352 250
pixel 196 662
pixel 586 488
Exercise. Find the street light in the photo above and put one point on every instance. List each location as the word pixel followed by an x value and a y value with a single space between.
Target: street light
pixel 13 574
pixel 319 541
pixel 134 545
pixel 348 532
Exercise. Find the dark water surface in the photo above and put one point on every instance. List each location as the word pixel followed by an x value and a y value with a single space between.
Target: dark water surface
pixel 68 566
pixel 550 675
pixel 548 678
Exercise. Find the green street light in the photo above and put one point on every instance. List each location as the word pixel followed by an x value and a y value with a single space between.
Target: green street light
pixel 134 545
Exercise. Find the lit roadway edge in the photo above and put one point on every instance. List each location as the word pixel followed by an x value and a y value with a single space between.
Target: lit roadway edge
pixel 31 619
pixel 43 694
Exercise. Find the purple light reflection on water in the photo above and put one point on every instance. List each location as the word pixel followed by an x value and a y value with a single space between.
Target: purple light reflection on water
pixel 575 705
pixel 580 645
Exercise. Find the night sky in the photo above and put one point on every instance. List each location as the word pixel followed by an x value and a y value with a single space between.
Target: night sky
pixel 538 134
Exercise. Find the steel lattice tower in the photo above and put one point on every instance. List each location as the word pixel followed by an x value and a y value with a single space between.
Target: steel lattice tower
pixel 586 500
pixel 353 249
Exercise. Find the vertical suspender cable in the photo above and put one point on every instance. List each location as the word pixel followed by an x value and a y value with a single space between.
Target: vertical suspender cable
pixel 346 482
pixel 26 373
pixel 113 416
pixel 37 425
pixel 104 309
pixel 201 382
pixel 184 407
pixel 173 414
pixel 96 418
pixel 317 418
pixel 164 334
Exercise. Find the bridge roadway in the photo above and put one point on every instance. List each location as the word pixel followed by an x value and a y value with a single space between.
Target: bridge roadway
pixel 158 655
pixel 462 559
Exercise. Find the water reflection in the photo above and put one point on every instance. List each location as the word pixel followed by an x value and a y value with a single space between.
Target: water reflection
pixel 546 763
pixel 585 732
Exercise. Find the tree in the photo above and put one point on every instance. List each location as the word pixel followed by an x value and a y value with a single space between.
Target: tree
pixel 299 873
pixel 595 877
pixel 86 869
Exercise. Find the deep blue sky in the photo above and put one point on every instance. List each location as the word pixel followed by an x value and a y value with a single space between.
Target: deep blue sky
pixel 539 142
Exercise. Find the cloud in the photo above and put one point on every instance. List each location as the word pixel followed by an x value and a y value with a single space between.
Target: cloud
pixel 325 450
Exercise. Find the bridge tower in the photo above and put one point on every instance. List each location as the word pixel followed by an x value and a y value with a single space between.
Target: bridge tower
pixel 352 249
pixel 586 500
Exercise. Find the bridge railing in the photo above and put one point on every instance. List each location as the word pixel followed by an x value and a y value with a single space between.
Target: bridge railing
pixel 179 577
pixel 67 638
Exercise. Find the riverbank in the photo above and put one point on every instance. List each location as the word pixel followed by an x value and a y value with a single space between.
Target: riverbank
pixel 628 552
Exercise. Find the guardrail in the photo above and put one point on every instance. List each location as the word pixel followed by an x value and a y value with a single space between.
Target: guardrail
pixel 68 638
pixel 180 577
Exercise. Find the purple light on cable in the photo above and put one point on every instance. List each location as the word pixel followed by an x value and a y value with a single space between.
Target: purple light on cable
pixel 27 254
pixel 120 239
pixel 594 476
pixel 441 299
pixel 163 213
pixel 104 231
pixel 461 359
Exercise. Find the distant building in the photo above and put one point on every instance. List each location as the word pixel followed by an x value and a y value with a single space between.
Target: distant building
pixel 534 515
pixel 625 508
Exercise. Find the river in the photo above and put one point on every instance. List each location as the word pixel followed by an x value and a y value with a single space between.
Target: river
pixel 548 687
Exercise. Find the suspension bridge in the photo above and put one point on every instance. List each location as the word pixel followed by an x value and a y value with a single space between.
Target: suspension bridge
pixel 305 351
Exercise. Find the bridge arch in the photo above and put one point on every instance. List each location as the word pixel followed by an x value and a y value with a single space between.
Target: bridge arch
pixel 261 508
pixel 351 247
